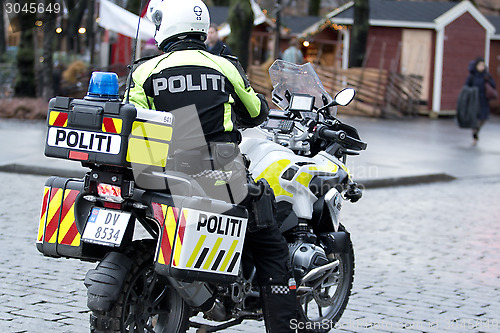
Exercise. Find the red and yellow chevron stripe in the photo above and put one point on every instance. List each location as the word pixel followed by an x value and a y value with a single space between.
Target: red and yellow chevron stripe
pixel 58 204
pixel 180 237
pixel 109 125
pixel 167 217
pixel 58 119
pixel 112 125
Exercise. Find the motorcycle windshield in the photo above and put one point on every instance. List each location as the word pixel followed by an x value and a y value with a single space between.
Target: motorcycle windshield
pixel 297 79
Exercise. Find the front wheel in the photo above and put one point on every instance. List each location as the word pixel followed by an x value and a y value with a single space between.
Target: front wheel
pixel 146 302
pixel 322 308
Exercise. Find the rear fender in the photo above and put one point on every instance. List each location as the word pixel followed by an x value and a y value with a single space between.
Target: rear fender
pixel 104 283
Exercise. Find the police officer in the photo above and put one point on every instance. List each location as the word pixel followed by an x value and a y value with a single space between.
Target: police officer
pixel 187 74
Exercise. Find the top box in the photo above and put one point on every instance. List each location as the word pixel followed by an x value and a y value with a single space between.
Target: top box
pixel 107 132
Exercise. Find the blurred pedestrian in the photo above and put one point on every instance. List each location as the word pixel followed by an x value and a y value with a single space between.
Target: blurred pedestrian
pixel 479 77
pixel 214 44
pixel 293 54
pixel 150 49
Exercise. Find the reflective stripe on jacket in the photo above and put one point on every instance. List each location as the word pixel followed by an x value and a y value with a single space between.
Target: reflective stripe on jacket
pixel 222 96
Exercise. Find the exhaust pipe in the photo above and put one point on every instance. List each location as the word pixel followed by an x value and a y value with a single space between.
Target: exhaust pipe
pixel 217 312
pixel 316 272
pixel 197 294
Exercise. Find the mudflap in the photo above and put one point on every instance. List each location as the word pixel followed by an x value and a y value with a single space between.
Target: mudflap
pixel 104 283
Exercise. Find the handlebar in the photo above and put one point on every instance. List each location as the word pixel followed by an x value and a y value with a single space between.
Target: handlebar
pixel 328 134
pixel 341 137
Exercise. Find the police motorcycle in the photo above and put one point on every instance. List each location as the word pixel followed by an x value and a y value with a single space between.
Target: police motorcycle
pixel 169 257
pixel 301 151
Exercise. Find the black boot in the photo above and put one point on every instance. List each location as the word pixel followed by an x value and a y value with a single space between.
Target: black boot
pixel 279 304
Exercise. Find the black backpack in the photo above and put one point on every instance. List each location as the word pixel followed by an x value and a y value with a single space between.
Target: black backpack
pixel 468 107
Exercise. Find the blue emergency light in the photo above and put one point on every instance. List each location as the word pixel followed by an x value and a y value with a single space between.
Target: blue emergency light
pixel 103 85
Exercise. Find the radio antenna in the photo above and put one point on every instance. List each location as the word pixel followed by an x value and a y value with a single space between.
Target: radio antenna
pixel 134 52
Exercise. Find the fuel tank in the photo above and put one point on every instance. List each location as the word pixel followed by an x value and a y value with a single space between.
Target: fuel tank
pixel 292 177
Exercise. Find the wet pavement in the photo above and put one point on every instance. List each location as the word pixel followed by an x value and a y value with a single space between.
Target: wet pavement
pixel 426 260
pixel 426 255
pixel 413 150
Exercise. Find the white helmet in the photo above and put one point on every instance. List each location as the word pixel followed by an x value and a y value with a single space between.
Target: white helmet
pixel 178 18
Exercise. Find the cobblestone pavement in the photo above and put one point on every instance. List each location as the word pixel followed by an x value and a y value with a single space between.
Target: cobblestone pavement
pixel 426 260
pixel 37 294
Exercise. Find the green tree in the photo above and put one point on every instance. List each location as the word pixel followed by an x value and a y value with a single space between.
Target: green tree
pixel 241 21
pixel 217 3
pixel 314 6
pixel 25 81
pixel 49 34
pixel 90 30
pixel 474 2
pixel 74 23
pixel 3 43
pixel 134 6
pixel 359 33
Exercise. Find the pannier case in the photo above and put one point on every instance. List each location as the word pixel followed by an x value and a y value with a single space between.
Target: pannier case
pixel 57 233
pixel 62 219
pixel 107 132
pixel 201 241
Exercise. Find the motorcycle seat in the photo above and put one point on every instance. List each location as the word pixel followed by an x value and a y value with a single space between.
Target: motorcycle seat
pixel 173 182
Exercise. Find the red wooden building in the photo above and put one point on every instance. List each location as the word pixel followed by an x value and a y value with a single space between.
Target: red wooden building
pixel 494 66
pixel 435 40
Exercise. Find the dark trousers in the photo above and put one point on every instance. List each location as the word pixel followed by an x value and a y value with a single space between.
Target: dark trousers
pixel 269 252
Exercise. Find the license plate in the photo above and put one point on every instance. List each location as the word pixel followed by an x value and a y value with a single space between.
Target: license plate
pixel 106 227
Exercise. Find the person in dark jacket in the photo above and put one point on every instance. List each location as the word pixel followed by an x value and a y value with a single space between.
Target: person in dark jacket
pixel 214 44
pixel 477 78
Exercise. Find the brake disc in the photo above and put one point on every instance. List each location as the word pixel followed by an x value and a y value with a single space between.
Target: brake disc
pixel 321 295
pixel 323 299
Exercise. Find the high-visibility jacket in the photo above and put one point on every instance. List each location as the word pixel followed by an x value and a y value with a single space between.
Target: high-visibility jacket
pixel 219 89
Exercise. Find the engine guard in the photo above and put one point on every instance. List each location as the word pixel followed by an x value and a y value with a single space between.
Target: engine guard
pixel 335 242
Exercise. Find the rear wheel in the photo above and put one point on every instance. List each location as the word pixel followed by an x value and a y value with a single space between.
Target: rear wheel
pixel 146 302
pixel 322 308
